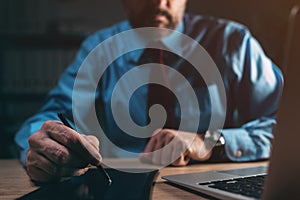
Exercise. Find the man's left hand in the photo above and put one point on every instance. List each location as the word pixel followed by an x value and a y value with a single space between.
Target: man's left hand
pixel 168 146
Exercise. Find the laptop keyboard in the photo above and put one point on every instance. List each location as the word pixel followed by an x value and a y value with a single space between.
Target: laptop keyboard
pixel 248 186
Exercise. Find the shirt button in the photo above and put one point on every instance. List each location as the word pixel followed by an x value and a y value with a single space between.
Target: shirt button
pixel 239 153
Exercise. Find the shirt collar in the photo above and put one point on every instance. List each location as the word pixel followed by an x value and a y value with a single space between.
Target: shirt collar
pixel 134 56
pixel 167 41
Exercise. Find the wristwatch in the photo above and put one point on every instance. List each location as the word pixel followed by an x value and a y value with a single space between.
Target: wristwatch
pixel 216 142
pixel 214 138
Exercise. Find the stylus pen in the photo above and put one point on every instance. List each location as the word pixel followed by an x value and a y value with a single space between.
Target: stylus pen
pixel 66 123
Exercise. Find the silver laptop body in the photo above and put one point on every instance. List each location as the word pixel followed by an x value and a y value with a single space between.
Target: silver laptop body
pixel 202 181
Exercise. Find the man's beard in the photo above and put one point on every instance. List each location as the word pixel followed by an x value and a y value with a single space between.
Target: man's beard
pixel 150 20
pixel 167 15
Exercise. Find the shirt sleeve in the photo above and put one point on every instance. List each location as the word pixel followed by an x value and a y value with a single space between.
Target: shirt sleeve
pixel 259 86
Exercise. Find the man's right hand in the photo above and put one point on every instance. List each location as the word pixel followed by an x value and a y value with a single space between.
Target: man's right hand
pixel 56 151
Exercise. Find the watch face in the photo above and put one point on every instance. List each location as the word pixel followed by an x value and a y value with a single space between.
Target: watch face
pixel 211 138
pixel 222 140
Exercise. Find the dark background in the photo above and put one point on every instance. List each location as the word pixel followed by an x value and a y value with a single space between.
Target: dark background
pixel 39 38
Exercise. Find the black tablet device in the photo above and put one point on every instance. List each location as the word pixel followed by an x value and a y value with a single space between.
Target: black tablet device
pixel 136 184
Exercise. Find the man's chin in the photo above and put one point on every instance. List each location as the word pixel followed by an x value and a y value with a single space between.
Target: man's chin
pixel 160 24
pixel 155 24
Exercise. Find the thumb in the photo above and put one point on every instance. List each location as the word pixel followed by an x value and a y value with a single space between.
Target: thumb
pixel 91 148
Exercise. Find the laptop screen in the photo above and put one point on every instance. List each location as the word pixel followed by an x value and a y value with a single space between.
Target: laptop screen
pixel 284 176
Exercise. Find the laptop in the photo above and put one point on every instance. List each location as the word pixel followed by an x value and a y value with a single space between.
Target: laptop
pixel 279 180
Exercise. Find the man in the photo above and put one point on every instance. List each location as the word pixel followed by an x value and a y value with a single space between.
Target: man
pixel 252 83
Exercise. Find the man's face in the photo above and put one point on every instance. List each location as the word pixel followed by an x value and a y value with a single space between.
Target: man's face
pixel 154 13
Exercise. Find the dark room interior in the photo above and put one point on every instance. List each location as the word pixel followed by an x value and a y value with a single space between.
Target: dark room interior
pixel 42 37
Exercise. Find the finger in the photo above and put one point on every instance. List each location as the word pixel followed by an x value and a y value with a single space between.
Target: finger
pixel 162 150
pixel 93 153
pixel 180 157
pixel 39 161
pixel 146 156
pixel 69 172
pixel 166 148
pixel 159 142
pixel 159 147
pixel 169 138
pixel 80 172
pixel 55 152
pixel 50 170
pixel 93 140
pixel 181 161
pixel 39 175
pixel 74 141
pixel 156 157
pixel 51 149
pixel 150 145
pixel 166 157
pixel 76 162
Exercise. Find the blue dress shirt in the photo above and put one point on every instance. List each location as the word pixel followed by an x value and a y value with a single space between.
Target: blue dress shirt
pixel 253 86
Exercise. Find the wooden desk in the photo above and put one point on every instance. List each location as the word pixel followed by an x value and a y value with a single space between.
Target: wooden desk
pixel 14 181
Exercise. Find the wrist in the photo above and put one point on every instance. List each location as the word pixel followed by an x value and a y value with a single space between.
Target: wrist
pixel 213 139
pixel 215 143
pixel 200 152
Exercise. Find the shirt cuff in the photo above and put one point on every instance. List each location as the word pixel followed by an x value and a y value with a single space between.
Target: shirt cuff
pixel 239 145
pixel 23 144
